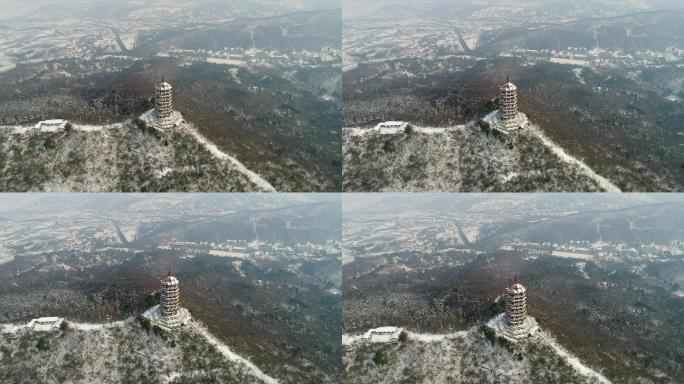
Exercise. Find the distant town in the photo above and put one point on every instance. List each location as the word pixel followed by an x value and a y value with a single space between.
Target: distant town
pixel 91 40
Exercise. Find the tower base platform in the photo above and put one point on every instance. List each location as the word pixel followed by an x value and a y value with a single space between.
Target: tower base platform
pixel 514 334
pixel 494 120
pixel 168 324
pixel 151 119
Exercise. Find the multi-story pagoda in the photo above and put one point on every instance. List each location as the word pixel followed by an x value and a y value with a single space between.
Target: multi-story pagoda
pixel 508 103
pixel 168 314
pixel 514 324
pixel 169 297
pixel 507 118
pixel 163 109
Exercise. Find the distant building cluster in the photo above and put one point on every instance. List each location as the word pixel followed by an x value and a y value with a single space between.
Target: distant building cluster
pixel 255 249
pixel 599 57
pixel 254 57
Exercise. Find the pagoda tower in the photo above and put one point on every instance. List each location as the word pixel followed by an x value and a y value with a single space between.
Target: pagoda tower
pixel 163 109
pixel 508 103
pixel 514 324
pixel 169 298
pixel 168 314
pixel 516 304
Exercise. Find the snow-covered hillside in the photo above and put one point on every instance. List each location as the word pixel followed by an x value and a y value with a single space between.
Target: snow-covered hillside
pixel 120 157
pixel 121 352
pixel 471 356
pixel 463 158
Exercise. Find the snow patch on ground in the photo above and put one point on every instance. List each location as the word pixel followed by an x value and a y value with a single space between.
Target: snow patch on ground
pixel 203 141
pixel 500 325
pixel 11 328
pixel 518 122
pixel 436 338
pixel 582 268
pixel 100 326
pixel 8 67
pixel 560 152
pixel 211 147
pixel 572 255
pixel 164 172
pixel 346 67
pixel 96 128
pixel 572 360
pixel 578 75
pixel 560 60
pixel 5 258
pixel 397 131
pixel 232 356
pixel 349 339
pixel 201 330
pixel 528 126
pixel 217 252
pixel 22 129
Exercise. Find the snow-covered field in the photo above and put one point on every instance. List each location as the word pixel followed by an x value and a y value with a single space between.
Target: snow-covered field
pixel 461 158
pixel 232 62
pixel 118 157
pixel 29 326
pixel 560 152
pixel 561 60
pixel 217 252
pixel 106 329
pixel 526 160
pixel 572 255
pixel 232 356
pixel 100 326
pixel 213 149
pixel 462 357
pixel 572 359
pixel 5 257
pixel 349 339
pixel 398 131
pixel 28 129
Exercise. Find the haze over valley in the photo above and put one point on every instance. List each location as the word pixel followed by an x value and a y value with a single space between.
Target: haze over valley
pixel 604 277
pixel 600 79
pixel 259 79
pixel 259 274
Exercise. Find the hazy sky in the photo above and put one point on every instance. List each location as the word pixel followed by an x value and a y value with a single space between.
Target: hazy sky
pixel 361 8
pixel 371 202
pixel 12 203
pixel 12 9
